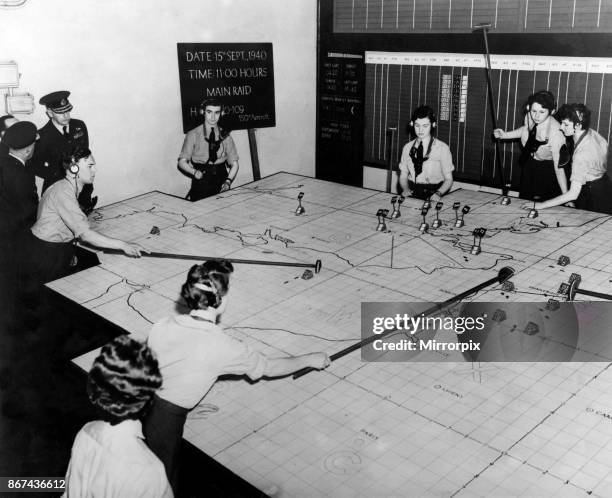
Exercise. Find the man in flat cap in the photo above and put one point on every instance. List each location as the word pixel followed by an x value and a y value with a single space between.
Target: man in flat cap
pixel 59 137
pixel 18 200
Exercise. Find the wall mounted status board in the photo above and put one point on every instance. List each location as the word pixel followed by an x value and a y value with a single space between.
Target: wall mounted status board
pixel 458 16
pixel 455 86
pixel 340 131
pixel 241 75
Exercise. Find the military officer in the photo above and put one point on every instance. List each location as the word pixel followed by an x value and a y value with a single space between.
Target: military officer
pixel 18 202
pixel 60 137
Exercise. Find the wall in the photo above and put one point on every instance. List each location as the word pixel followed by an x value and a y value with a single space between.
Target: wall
pixel 119 60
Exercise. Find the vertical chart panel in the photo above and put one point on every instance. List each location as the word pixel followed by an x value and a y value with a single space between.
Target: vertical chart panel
pixel 371 110
pixel 506 113
pixel 360 15
pixel 445 106
pixel 461 14
pixel 576 87
pixel 458 16
pixel 485 12
pixel 389 15
pixel 604 112
pixel 594 92
pixel 491 164
pixel 375 15
pixel 477 102
pixel 432 86
pixel 541 80
pixel 423 12
pixel 588 15
pixel 393 111
pixel 604 16
pixel 554 86
pixel 460 115
pixel 509 15
pixel 405 14
pixel 343 15
pixel 440 17
pixel 407 103
pixel 561 14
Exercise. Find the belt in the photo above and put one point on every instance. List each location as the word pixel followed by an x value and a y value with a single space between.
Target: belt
pixel 207 165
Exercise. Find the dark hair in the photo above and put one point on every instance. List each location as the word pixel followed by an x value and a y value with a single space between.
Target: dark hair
pixel 212 102
pixel 545 98
pixel 576 113
pixel 214 277
pixel 123 379
pixel 75 156
pixel 423 111
pixel 3 121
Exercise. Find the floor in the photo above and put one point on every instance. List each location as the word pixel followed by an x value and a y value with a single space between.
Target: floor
pixel 43 399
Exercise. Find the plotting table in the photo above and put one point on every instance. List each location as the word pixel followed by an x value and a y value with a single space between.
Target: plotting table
pixel 426 429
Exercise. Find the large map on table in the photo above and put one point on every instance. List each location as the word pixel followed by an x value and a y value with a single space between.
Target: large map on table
pixel 428 429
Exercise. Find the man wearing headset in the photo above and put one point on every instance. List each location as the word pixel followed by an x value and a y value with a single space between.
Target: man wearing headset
pixel 426 166
pixel 208 151
pixel 61 222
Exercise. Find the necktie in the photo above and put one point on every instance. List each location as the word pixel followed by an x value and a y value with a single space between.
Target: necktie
pixel 213 147
pixel 533 143
pixel 65 130
pixel 416 154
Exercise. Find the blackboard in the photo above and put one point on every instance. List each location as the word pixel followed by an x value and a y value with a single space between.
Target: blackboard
pixel 341 117
pixel 241 75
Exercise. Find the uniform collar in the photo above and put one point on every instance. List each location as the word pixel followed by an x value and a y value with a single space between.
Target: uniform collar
pixel 204 320
pixel 129 427
pixel 60 128
pixel 18 158
pixel 207 315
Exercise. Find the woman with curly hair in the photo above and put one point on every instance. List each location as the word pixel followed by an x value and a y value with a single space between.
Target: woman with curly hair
pixel 109 456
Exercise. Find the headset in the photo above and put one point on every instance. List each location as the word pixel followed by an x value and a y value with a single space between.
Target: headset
pixel 212 102
pixel 433 124
pixel 429 113
pixel 545 98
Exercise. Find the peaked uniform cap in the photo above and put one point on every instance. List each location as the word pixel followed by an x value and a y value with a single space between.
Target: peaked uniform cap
pixel 57 101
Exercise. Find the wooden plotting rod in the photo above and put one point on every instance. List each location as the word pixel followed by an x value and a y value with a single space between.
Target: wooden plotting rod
pixel 504 274
pixel 484 27
pixel 164 255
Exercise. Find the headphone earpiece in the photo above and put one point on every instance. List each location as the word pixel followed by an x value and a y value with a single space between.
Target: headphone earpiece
pixel 74 168
pixel 411 124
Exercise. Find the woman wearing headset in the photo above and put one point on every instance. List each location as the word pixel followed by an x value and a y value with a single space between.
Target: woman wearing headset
pixel 590 186
pixel 208 151
pixel 541 173
pixel 61 222
pixel 426 166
